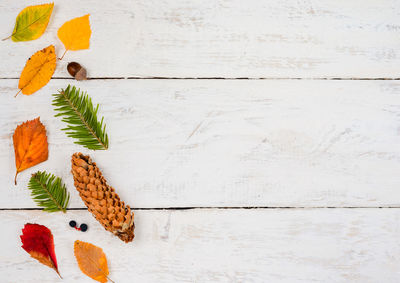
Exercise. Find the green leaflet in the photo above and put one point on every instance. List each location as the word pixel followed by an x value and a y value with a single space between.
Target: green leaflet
pixel 31 22
pixel 79 113
pixel 48 192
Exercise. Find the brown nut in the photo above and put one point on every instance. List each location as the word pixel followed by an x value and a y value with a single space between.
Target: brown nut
pixel 77 71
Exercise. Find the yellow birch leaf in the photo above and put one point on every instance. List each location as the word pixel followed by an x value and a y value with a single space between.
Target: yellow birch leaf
pixel 91 260
pixel 38 70
pixel 75 34
pixel 31 22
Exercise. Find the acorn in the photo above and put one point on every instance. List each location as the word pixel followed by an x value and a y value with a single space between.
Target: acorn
pixel 77 71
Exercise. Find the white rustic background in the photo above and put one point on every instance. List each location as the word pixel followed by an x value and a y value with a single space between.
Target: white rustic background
pixel 257 141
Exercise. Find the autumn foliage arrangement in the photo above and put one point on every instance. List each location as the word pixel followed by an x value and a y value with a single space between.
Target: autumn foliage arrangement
pixel 77 111
pixel 30 24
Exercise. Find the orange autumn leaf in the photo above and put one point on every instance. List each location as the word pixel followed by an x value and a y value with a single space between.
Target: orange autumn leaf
pixel 75 34
pixel 38 70
pixel 91 260
pixel 30 145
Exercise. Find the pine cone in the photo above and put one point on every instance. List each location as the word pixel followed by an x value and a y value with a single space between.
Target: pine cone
pixel 101 199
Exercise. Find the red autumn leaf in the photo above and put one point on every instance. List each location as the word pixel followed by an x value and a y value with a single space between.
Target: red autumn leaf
pixel 37 240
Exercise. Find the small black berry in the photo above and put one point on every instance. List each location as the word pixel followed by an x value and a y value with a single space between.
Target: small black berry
pixel 83 227
pixel 72 223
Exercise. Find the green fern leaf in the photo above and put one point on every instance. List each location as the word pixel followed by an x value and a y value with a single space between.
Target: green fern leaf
pixel 48 192
pixel 81 116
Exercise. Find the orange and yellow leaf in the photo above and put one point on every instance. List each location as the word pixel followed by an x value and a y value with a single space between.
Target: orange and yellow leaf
pixel 30 145
pixel 91 260
pixel 38 70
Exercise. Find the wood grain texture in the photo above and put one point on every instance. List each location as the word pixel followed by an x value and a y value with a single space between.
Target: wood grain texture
pixel 177 143
pixel 273 245
pixel 231 38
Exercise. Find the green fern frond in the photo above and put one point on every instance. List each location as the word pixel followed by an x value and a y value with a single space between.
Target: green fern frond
pixel 78 111
pixel 48 192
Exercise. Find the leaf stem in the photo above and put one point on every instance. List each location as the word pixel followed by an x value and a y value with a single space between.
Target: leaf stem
pixel 17 93
pixel 6 38
pixel 109 279
pixel 59 274
pixel 63 54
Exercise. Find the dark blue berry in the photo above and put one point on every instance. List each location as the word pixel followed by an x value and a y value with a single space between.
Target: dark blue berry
pixel 72 223
pixel 83 227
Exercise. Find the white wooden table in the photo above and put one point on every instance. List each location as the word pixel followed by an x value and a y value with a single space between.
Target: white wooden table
pixel 257 141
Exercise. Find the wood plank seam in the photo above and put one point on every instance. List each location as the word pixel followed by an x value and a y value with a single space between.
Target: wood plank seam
pixel 223 208
pixel 229 78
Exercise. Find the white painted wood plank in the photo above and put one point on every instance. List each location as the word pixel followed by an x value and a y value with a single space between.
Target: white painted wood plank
pixel 291 245
pixel 231 38
pixel 225 143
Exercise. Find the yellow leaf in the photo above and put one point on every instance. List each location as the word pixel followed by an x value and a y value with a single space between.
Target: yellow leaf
pixel 31 22
pixel 91 260
pixel 38 70
pixel 75 34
